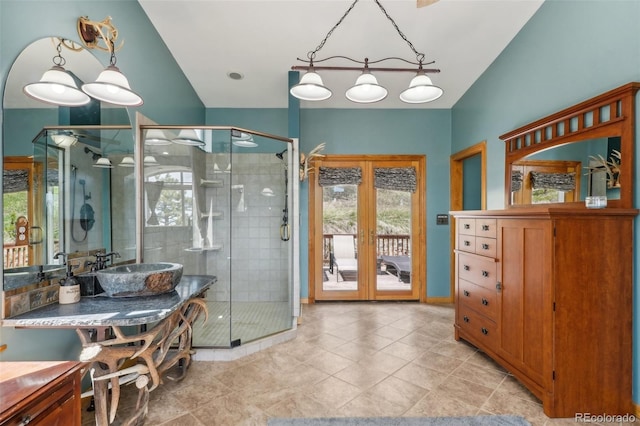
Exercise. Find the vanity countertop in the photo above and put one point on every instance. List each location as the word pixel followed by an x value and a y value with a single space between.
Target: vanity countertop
pixel 105 312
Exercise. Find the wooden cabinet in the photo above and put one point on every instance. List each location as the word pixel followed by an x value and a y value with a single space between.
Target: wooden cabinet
pixel 548 295
pixel 40 393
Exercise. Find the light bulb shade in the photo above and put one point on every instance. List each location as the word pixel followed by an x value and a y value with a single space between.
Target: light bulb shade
pixel 57 87
pixel 420 90
pixel 188 137
pixel 244 140
pixel 310 88
pixel 64 141
pixel 104 163
pixel 366 90
pixel 127 162
pixel 156 137
pixel 150 160
pixel 112 87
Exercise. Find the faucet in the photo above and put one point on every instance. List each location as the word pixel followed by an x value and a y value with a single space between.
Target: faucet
pixel 102 258
pixel 64 256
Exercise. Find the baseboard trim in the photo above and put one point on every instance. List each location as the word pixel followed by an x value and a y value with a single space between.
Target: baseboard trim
pixel 304 300
pixel 439 300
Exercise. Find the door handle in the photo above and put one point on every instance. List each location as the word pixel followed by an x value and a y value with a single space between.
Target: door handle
pixel 362 237
pixel 372 236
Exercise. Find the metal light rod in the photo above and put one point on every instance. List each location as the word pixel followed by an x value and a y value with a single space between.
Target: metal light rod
pixel 372 69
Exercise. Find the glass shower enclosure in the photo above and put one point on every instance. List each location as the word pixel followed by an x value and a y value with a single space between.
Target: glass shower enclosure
pixel 218 200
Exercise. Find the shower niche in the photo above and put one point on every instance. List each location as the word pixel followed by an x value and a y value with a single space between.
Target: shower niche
pixel 216 199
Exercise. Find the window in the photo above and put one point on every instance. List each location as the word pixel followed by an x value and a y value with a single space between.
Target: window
pixel 170 199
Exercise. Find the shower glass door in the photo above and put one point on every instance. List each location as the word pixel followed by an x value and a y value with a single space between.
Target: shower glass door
pixel 227 192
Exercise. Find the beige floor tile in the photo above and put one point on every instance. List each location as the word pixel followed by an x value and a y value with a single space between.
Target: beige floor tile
pixel 329 362
pixel 395 395
pixel 334 393
pixel 184 420
pixel 404 351
pixel 383 362
pixel 453 349
pixel 436 404
pixel 437 362
pixel 354 351
pixel 420 376
pixel 230 410
pixel 480 375
pixel 361 376
pixel 464 390
pixel 299 406
pixel 393 333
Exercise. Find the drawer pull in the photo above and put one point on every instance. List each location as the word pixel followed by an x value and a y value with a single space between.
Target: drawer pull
pixel 25 420
pixel 485 227
pixel 485 302
pixel 467 226
pixel 485 273
pixel 485 246
pixel 465 318
pixel 467 243
pixel 466 293
pixel 484 331
pixel 466 267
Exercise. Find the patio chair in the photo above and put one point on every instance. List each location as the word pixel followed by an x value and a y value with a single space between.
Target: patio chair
pixel 401 264
pixel 343 256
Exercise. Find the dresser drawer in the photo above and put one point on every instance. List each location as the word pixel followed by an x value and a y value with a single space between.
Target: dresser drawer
pixel 478 298
pixel 480 327
pixel 486 246
pixel 467 243
pixel 467 226
pixel 486 228
pixel 478 270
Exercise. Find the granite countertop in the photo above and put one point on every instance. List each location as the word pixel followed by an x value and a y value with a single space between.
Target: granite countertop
pixel 105 312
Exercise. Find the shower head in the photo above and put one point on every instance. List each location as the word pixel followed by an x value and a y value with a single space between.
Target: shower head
pixel 280 155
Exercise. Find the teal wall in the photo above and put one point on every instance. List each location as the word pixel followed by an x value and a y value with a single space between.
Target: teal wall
pixel 568 52
pixel 25 21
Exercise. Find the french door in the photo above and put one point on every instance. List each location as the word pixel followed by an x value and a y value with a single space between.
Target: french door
pixel 367 228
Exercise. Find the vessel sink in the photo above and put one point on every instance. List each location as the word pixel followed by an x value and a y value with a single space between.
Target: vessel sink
pixel 139 279
pixel 25 275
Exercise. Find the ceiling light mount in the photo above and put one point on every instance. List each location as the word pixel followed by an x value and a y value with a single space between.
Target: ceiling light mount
pixel 366 89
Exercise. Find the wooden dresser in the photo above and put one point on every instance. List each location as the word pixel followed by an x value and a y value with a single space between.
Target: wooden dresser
pixel 547 293
pixel 40 393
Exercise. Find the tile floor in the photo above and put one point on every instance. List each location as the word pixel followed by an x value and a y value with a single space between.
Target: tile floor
pixel 349 359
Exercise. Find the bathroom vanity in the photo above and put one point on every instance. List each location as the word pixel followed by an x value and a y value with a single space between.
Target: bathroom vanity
pixel 160 344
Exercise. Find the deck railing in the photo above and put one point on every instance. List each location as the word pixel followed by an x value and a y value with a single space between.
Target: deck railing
pixel 15 256
pixel 387 245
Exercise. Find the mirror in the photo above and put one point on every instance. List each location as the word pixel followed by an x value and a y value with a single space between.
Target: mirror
pixel 584 150
pixel 52 182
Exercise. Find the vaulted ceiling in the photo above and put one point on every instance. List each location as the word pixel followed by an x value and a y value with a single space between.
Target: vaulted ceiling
pixel 261 39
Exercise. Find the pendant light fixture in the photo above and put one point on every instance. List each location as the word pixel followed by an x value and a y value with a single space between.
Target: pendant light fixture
pixel 366 89
pixel 56 86
pixel 188 137
pixel 156 137
pixel 111 86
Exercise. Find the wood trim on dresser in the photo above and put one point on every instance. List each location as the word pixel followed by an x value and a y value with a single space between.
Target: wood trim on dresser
pixel 561 290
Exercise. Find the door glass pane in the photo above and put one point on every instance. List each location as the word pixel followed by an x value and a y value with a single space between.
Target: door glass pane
pixel 340 228
pixel 393 223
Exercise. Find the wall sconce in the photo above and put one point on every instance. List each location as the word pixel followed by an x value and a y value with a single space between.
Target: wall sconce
pixel 242 139
pixel 100 161
pixel 57 86
pixel 366 89
pixel 111 85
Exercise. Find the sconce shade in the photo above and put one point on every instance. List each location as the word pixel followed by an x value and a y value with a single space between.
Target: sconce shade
pixel 57 87
pixel 310 88
pixel 420 90
pixel 156 137
pixel 103 163
pixel 150 160
pixel 188 137
pixel 64 141
pixel 244 140
pixel 127 162
pixel 112 87
pixel 366 90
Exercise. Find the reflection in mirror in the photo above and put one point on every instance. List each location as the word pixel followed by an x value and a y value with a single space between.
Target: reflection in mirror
pixel 565 173
pixel 67 203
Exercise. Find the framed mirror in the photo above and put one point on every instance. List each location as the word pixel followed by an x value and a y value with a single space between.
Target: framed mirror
pixel 584 150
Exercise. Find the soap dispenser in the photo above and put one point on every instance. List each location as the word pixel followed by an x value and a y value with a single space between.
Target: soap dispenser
pixel 69 288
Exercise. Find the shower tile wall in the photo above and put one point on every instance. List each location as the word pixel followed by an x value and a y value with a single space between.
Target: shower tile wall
pixel 248 231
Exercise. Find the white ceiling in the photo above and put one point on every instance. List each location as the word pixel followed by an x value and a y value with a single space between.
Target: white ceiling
pixel 261 39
